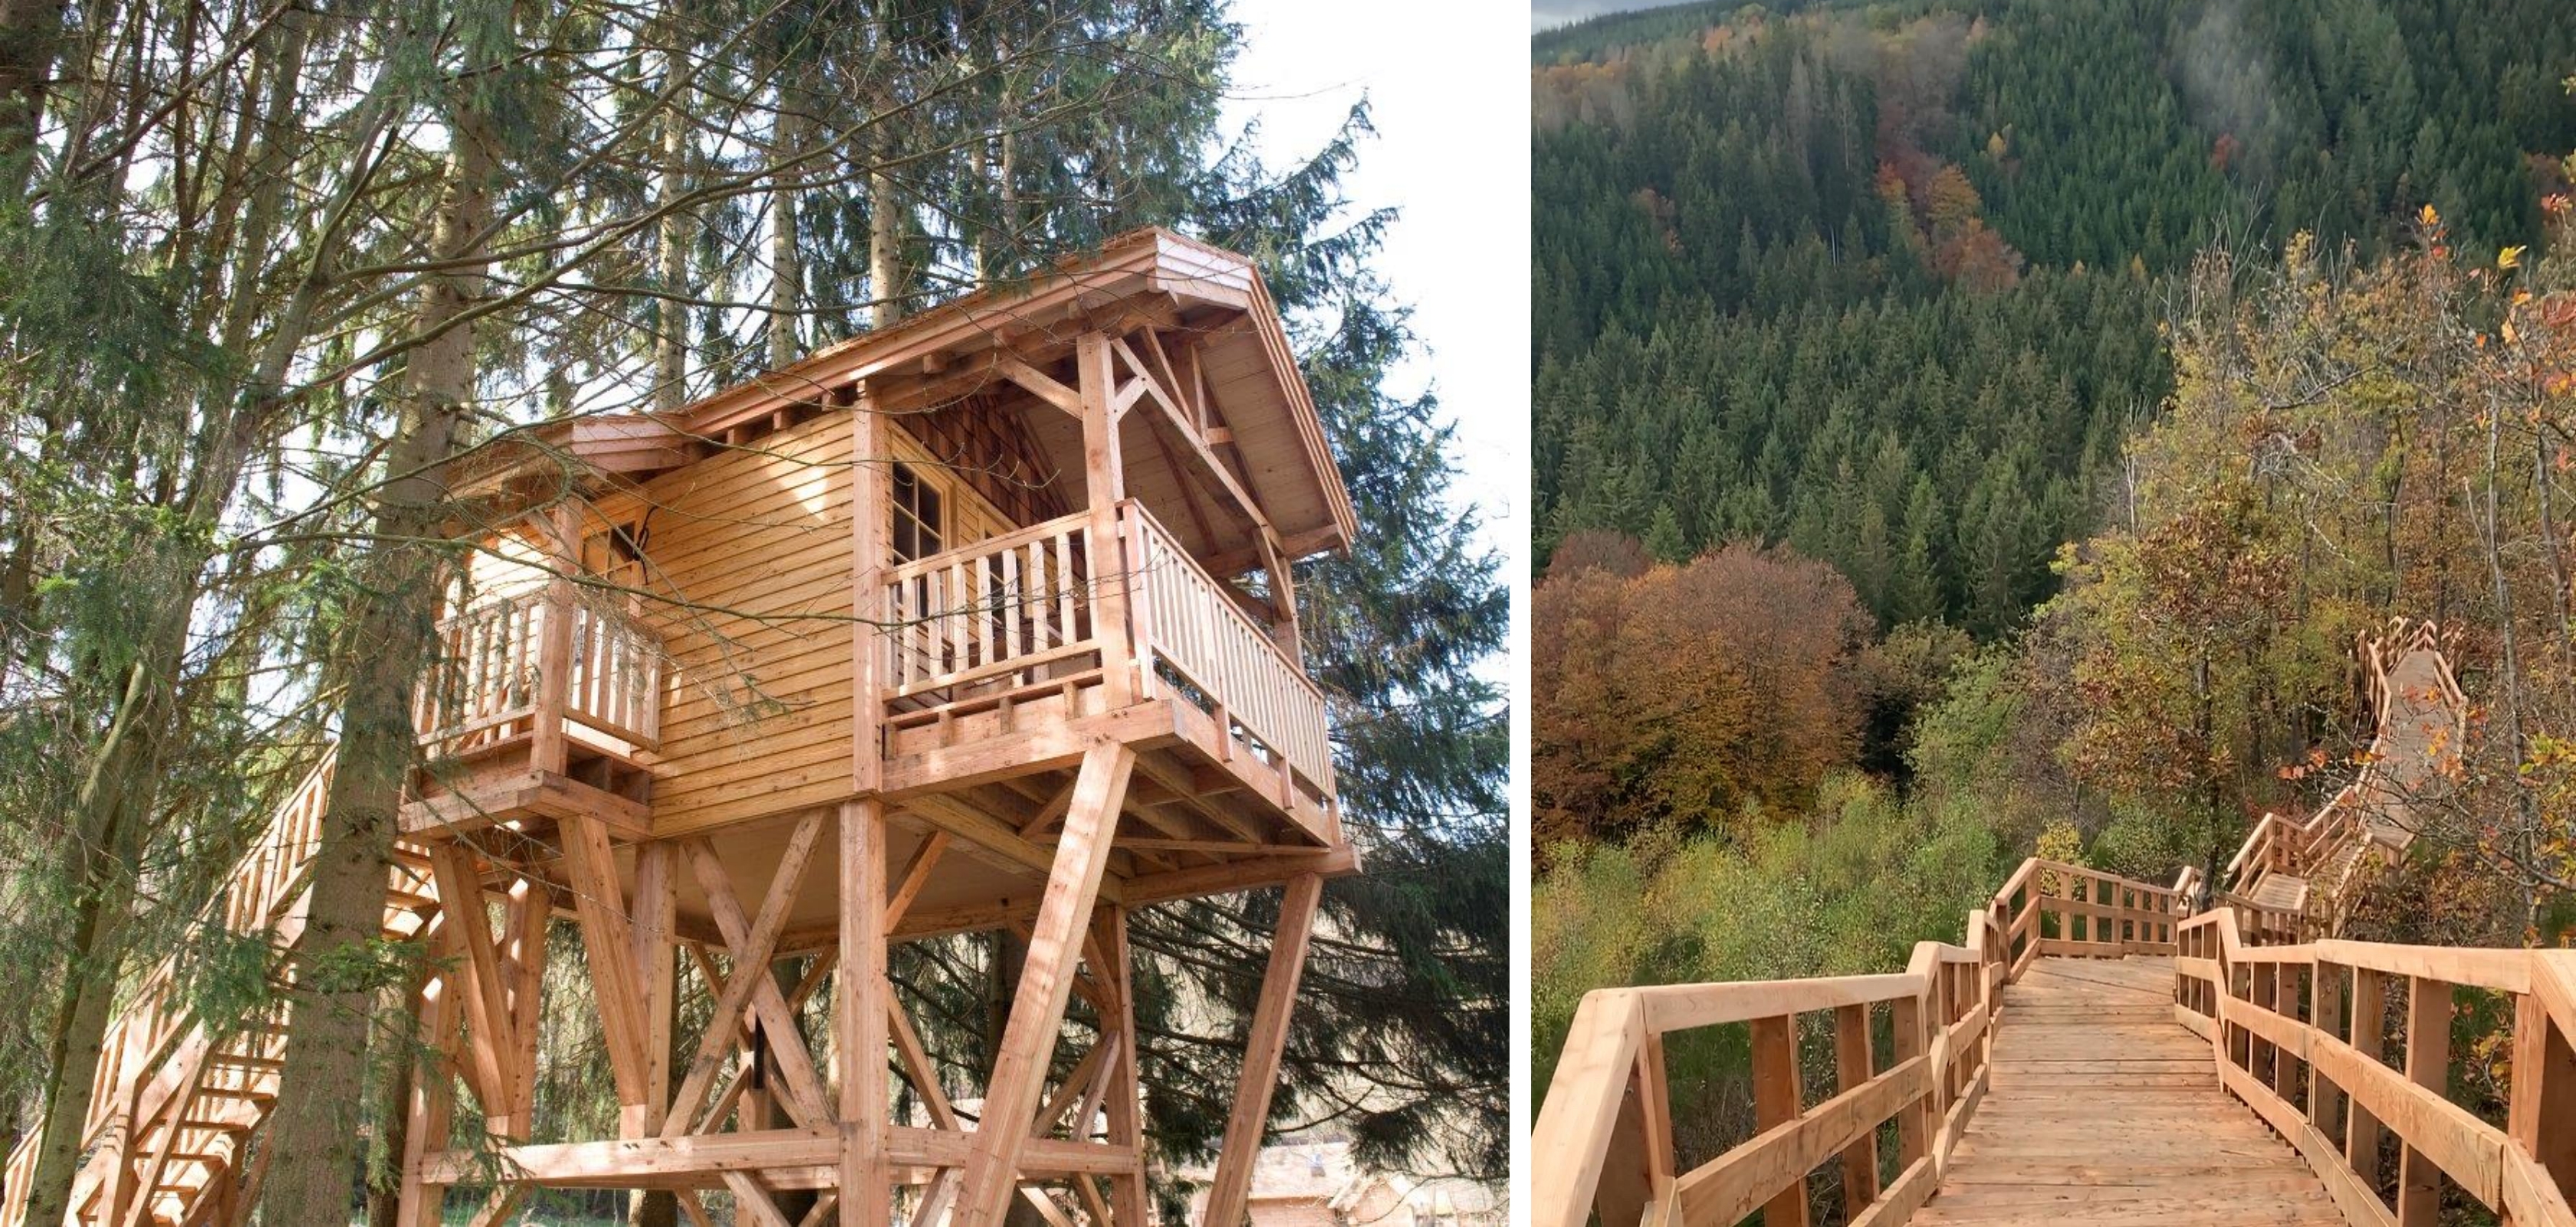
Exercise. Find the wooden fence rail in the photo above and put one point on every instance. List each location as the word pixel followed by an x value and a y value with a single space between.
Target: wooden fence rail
pixel 2299 1034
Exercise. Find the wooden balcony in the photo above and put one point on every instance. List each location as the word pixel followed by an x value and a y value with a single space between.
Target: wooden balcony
pixel 1015 632
pixel 541 701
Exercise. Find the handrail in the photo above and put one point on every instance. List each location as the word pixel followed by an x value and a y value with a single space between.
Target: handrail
pixel 1603 1141
pixel 2298 1033
pixel 989 610
pixel 488 684
pixel 1185 618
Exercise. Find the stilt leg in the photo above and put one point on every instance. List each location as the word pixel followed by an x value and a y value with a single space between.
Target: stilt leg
pixel 861 1001
pixel 1232 1182
pixel 1046 979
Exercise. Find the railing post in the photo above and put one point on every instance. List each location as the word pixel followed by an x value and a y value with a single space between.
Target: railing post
pixel 2542 1112
pixel 2369 1025
pixel 1851 1069
pixel 2428 1065
pixel 2325 988
pixel 1913 1132
pixel 1775 1102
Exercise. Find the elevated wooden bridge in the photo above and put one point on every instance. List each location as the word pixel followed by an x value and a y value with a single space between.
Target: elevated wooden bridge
pixel 2103 1050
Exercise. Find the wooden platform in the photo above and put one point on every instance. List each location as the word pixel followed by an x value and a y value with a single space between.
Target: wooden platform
pixel 2101 1110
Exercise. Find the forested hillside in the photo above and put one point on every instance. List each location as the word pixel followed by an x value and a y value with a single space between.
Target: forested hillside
pixel 1970 430
pixel 1884 282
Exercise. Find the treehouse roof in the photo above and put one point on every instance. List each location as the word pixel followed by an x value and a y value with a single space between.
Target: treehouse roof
pixel 1209 304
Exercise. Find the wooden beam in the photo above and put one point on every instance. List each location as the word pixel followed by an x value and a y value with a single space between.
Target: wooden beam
pixel 861 1002
pixel 468 936
pixel 656 960
pixel 1104 486
pixel 600 906
pixel 916 874
pixel 1775 1103
pixel 1046 980
pixel 871 512
pixel 1231 1185
pixel 2428 1065
pixel 1126 1103
pixel 751 988
pixel 1037 383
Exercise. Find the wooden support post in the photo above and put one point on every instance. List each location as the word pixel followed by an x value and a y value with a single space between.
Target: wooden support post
pixel 1126 1104
pixel 1915 1121
pixel 2369 1027
pixel 861 999
pixel 1775 1102
pixel 871 516
pixel 1232 1184
pixel 1104 485
pixel 1046 980
pixel 2428 1065
pixel 600 907
pixel 2262 1058
pixel 1851 1069
pixel 656 962
pixel 523 970
pixel 432 1098
pixel 2285 996
pixel 2326 1013
pixel 562 530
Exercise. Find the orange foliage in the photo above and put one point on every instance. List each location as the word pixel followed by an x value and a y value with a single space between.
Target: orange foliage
pixel 1684 693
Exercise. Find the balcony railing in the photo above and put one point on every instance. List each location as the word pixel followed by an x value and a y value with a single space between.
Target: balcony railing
pixel 1187 623
pixel 1017 610
pixel 490 686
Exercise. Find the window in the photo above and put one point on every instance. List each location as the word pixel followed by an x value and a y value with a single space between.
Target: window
pixel 919 525
pixel 615 554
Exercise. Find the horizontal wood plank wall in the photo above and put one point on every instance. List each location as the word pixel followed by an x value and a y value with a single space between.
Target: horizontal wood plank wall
pixel 751 556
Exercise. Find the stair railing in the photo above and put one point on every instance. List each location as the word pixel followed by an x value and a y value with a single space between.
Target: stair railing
pixel 2299 1034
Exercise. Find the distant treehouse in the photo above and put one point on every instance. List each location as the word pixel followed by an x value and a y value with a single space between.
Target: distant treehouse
pixel 691 699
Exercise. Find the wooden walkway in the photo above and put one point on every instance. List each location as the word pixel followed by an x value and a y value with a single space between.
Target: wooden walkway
pixel 2102 1110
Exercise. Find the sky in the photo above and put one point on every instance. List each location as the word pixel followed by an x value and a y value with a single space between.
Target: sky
pixel 1546 13
pixel 1450 102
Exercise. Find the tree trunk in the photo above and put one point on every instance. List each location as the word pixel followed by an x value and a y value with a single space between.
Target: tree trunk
pixel 30 33
pixel 786 271
pixel 885 250
pixel 315 1130
pixel 671 255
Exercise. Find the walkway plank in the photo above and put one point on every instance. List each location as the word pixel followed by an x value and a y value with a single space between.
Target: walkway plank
pixel 2090 1074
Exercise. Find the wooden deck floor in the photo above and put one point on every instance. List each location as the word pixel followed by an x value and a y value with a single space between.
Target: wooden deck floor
pixel 2103 1110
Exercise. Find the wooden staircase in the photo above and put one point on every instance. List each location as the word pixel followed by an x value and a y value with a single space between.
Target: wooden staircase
pixel 2084 1058
pixel 177 1103
pixel 2301 869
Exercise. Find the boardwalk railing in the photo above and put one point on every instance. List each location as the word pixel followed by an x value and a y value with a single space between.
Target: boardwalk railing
pixel 1604 1140
pixel 2300 1035
pixel 2331 839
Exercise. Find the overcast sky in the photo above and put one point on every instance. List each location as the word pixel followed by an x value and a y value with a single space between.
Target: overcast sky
pixel 1546 13
pixel 1450 97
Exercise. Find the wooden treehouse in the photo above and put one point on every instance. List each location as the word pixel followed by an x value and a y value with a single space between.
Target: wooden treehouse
pixel 2098 1052
pixel 982 621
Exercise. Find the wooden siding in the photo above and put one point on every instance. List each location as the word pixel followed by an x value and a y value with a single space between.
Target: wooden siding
pixel 749 576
